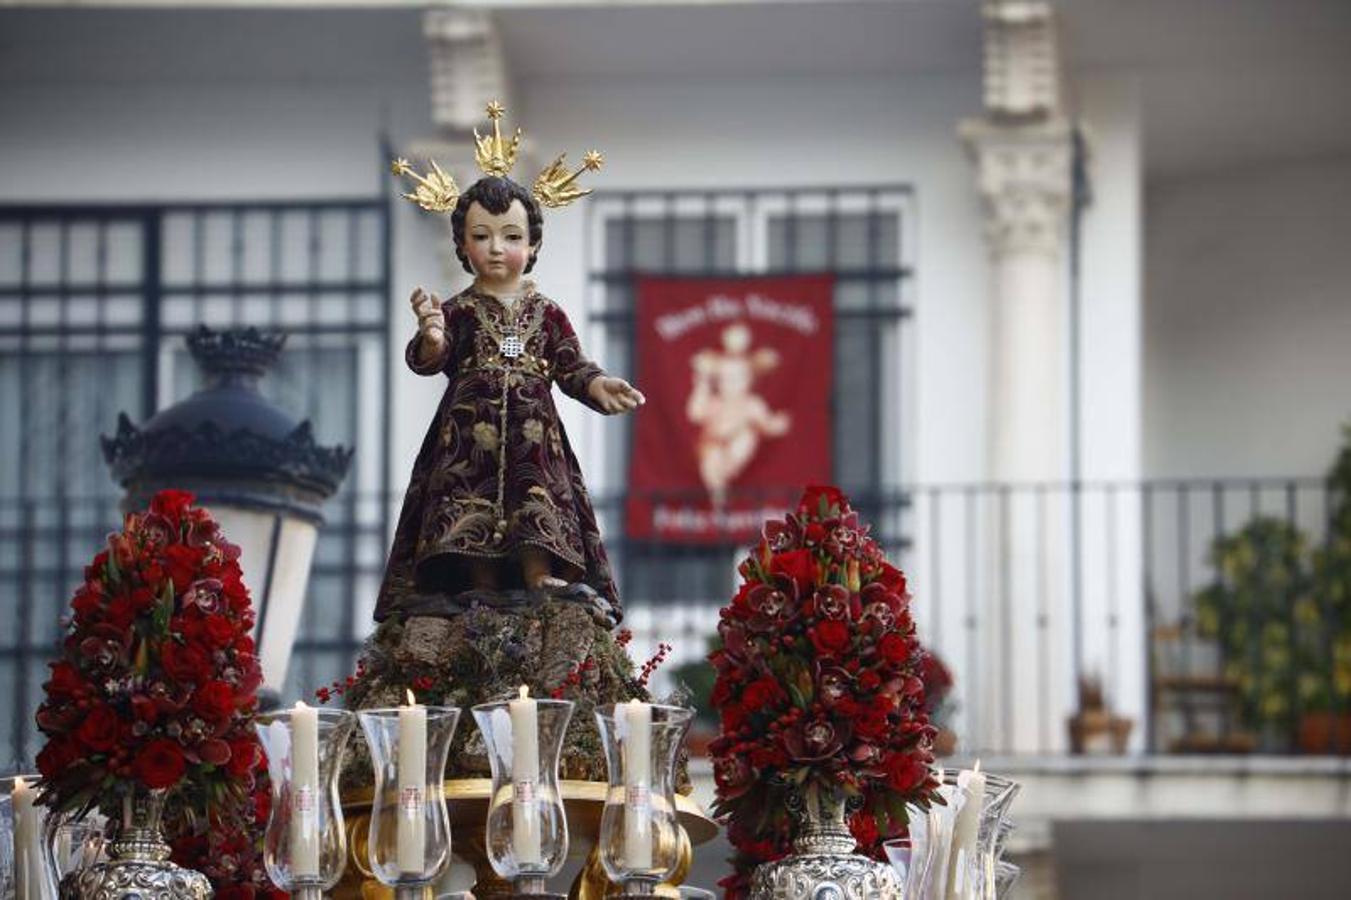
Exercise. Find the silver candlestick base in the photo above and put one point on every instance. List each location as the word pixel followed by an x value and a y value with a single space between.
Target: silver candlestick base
pixel 307 892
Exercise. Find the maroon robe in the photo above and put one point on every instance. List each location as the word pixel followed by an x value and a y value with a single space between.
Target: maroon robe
pixel 495 472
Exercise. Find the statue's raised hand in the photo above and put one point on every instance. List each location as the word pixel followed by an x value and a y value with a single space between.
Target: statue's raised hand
pixel 615 395
pixel 427 308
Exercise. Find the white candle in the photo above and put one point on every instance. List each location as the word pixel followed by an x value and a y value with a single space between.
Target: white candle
pixel 965 831
pixel 304 791
pixel 525 819
pixel 412 834
pixel 29 874
pixel 637 733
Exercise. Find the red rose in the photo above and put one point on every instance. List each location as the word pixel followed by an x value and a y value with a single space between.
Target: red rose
pixel 893 579
pixel 798 565
pixel 181 562
pixel 160 764
pixel 142 599
pixel 145 709
pixel 815 533
pixel 869 680
pixel 818 499
pixel 59 755
pixel 218 630
pixel 66 682
pixel 171 503
pixel 100 729
pixel 186 663
pixel 733 717
pixel 120 613
pixel 214 701
pixel 872 724
pixel 243 757
pixel 864 828
pixel 87 601
pixel 905 772
pixel 894 648
pixel 829 637
pixel 232 585
pixel 761 693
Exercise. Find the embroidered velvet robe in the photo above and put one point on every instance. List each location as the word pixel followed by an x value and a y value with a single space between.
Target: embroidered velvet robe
pixel 496 472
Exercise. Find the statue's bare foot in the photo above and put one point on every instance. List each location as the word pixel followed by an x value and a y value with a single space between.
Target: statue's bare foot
pixel 547 582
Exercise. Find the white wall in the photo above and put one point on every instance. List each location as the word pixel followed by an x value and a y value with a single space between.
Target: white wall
pixel 1248 320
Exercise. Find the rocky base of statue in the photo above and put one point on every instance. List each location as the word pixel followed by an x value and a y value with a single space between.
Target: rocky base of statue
pixel 483 649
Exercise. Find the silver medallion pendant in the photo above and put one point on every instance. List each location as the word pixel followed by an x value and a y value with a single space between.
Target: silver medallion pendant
pixel 512 346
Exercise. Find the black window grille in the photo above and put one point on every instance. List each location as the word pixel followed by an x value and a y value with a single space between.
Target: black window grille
pixel 94 302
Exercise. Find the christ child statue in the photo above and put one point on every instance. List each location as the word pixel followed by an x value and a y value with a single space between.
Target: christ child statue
pixel 496 499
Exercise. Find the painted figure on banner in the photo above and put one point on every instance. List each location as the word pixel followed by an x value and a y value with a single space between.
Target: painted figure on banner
pixel 496 499
pixel 738 373
pixel 732 418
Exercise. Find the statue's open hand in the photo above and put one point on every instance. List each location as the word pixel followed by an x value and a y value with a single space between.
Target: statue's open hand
pixel 615 395
pixel 427 308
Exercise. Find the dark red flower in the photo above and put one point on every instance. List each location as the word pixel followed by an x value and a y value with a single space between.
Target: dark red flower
pixel 59 754
pixel 763 693
pixel 160 763
pixel 155 530
pixel 832 685
pixel 185 662
pixel 815 739
pixel 120 612
pixel 893 579
pixel 832 601
pixel 214 701
pixel 782 534
pixel 243 757
pixel 894 648
pixel 66 681
pixel 905 772
pixel 863 826
pixel 218 631
pixel 100 729
pixel 830 638
pixel 820 499
pixel 214 752
pixel 171 503
pixel 799 565
pixel 181 562
pixel 733 776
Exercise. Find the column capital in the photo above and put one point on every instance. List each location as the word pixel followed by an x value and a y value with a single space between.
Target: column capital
pixel 468 66
pixel 1023 176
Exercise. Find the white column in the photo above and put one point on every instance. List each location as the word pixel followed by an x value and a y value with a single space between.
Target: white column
pixel 1022 150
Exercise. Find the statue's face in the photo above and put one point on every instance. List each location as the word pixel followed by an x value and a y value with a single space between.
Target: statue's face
pixel 498 246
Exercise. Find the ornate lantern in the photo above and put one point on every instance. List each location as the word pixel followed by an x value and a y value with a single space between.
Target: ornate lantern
pixel 262 475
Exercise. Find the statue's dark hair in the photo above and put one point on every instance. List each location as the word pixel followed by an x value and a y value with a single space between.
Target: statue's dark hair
pixel 495 194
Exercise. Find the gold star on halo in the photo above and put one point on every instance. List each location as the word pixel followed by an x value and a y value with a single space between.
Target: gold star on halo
pixel 495 109
pixel 592 160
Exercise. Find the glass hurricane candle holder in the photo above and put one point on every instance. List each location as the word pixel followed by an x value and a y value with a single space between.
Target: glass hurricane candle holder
pixel 409 842
pixel 526 833
pixel 640 835
pixel 305 844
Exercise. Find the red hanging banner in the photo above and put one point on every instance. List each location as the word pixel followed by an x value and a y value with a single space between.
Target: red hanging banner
pixel 737 374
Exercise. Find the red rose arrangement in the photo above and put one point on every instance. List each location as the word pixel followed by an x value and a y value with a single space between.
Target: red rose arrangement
pixel 156 687
pixel 818 679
